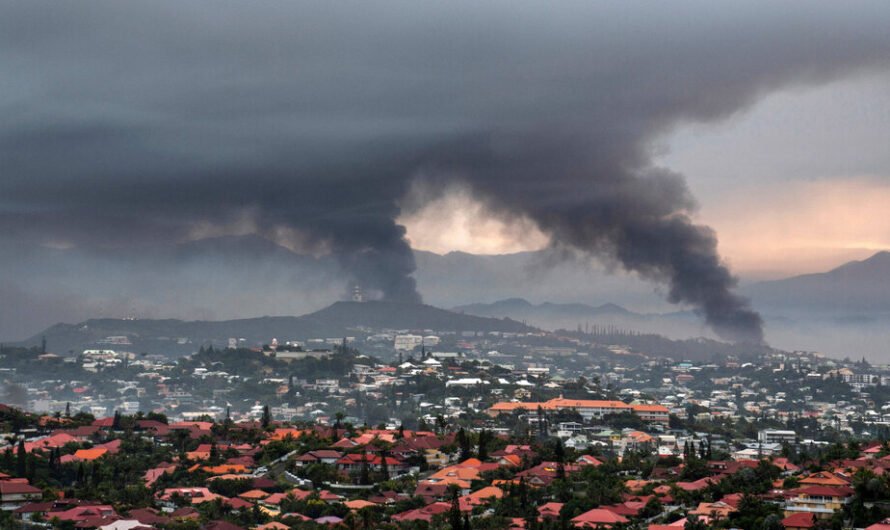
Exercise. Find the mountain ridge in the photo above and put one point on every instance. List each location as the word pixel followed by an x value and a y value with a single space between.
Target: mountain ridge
pixel 337 320
pixel 861 286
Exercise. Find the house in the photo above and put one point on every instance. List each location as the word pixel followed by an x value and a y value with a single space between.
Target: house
pixel 28 511
pixel 588 460
pixel 679 524
pixel 545 473
pixel 85 455
pixel 14 494
pixel 431 491
pixel 79 514
pixel 324 456
pixel 598 518
pixel 356 461
pixel 222 525
pixel 148 516
pixel 123 524
pixel 549 511
pixel 713 510
pixel 55 441
pixel 626 509
pixel 587 408
pixel 195 494
pixel 479 498
pixel 358 504
pixel 435 458
pixel 425 513
pixel 696 485
pixel 152 475
pixel 800 521
pixel 824 478
pixel 274 525
pixel 821 501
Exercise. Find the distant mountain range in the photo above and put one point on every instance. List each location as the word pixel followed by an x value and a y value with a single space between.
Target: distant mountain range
pixel 548 315
pixel 842 311
pixel 523 309
pixel 338 320
pixel 855 288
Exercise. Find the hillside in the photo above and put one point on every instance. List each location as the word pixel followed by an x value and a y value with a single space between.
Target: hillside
pixel 553 316
pixel 521 309
pixel 236 277
pixel 855 287
pixel 340 319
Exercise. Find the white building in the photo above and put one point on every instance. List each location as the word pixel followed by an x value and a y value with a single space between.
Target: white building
pixel 770 436
pixel 407 342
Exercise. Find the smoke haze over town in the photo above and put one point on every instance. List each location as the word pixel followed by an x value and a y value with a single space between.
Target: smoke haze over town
pixel 402 265
pixel 137 137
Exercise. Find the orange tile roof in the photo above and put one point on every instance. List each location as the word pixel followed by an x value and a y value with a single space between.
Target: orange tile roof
pixel 281 433
pixel 486 493
pixel 90 454
pixel 225 469
pixel 254 494
pixel 514 405
pixel 456 472
pixel 358 504
pixel 512 460
pixel 650 408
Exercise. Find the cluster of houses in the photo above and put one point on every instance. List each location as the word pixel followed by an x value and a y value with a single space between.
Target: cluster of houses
pixel 439 481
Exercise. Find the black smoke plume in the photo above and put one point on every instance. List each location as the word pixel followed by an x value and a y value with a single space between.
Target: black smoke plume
pixel 124 125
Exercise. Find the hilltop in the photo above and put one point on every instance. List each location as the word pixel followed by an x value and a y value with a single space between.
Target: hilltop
pixel 338 320
pixel 552 316
pixel 856 287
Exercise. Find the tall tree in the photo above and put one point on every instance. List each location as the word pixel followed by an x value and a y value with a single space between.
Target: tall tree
pixel 21 460
pixel 365 472
pixel 463 442
pixel 266 419
pixel 454 515
pixel 482 453
pixel 384 466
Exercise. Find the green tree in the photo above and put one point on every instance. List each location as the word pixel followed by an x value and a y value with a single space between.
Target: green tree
pixel 454 515
pixel 21 460
pixel 266 419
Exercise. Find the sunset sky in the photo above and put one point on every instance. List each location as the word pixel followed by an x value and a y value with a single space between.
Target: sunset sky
pixel 806 169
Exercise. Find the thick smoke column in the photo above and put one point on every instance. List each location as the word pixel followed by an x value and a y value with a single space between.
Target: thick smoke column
pixel 124 125
pixel 638 219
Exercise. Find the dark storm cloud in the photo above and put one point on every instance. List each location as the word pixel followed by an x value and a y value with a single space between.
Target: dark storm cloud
pixel 131 123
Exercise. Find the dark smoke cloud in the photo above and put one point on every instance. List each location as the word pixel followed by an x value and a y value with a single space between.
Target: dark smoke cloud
pixel 638 219
pixel 133 124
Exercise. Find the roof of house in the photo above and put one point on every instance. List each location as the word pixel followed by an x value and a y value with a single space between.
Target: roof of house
pixel 358 504
pixel 598 516
pixel 90 454
pixel 222 525
pixel 550 509
pixel 425 513
pixel 824 491
pixel 8 487
pixel 799 520
pixel 254 494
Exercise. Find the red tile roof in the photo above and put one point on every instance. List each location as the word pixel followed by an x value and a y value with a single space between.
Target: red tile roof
pixel 799 520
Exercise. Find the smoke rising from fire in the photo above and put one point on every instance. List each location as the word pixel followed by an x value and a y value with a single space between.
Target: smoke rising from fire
pixel 126 125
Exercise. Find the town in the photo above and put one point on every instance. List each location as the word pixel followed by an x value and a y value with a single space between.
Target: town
pixel 400 265
pixel 591 428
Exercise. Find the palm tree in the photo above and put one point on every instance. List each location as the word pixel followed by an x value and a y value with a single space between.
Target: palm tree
pixel 441 423
pixel 339 417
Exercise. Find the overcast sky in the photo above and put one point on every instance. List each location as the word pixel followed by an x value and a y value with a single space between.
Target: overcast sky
pixel 358 130
pixel 799 182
